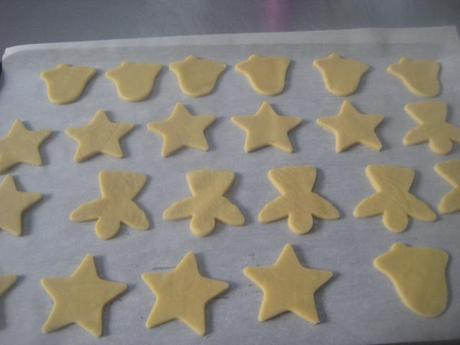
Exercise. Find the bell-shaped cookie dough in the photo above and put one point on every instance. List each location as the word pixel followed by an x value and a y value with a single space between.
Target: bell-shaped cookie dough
pixel 65 83
pixel 267 75
pixel 197 77
pixel 134 81
pixel 341 76
pixel 420 77
pixel 418 275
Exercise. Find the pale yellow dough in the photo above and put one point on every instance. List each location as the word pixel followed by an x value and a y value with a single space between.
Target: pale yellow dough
pixel 197 77
pixel 6 282
pixel 450 171
pixel 341 76
pixel 350 127
pixel 393 199
pixel 182 294
pixel 267 75
pixel 432 127
pixel 21 146
pixel 207 203
pixel 100 135
pixel 116 205
pixel 13 203
pixel 297 201
pixel 288 287
pixel 418 275
pixel 267 128
pixel 182 129
pixel 80 298
pixel 134 81
pixel 66 83
pixel 420 77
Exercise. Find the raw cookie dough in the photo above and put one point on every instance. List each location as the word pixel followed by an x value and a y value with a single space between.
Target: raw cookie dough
pixel 341 76
pixel 432 127
pixel 6 282
pixel 65 83
pixel 418 275
pixel 12 205
pixel 393 199
pixel 207 203
pixel 288 286
pixel 420 77
pixel 100 135
pixel 267 75
pixel 450 171
pixel 350 127
pixel 182 294
pixel 267 128
pixel 116 206
pixel 297 201
pixel 197 77
pixel 182 129
pixel 21 146
pixel 134 81
pixel 80 298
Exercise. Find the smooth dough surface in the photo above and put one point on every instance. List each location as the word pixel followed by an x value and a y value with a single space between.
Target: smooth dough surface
pixel 66 83
pixel 182 129
pixel 341 76
pixel 392 198
pixel 134 81
pixel 288 287
pixel 433 127
pixel 197 77
pixel 420 77
pixel 450 171
pixel 207 203
pixel 267 128
pixel 182 294
pixel 80 298
pixel 6 282
pixel 418 275
pixel 350 127
pixel 297 201
pixel 21 146
pixel 267 75
pixel 116 205
pixel 100 135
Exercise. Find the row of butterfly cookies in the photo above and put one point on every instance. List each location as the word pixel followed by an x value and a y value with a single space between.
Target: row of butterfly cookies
pixel 197 77
pixel 208 204
pixel 418 275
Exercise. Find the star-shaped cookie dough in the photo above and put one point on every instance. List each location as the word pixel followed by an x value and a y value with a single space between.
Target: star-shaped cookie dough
pixel 182 294
pixel 393 199
pixel 197 77
pixel 420 77
pixel 6 282
pixel 267 75
pixel 99 136
pixel 134 81
pixel 450 171
pixel 341 76
pixel 207 203
pixel 12 205
pixel 116 205
pixel 21 146
pixel 288 286
pixel 297 201
pixel 433 127
pixel 182 129
pixel 350 127
pixel 267 128
pixel 65 83
pixel 80 298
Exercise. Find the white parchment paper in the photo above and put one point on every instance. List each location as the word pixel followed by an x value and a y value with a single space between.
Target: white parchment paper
pixel 358 306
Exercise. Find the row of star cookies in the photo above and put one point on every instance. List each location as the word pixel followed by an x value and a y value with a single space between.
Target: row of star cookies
pixel 418 275
pixel 297 201
pixel 267 75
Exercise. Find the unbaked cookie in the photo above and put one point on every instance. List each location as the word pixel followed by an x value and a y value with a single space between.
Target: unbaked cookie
pixel 450 171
